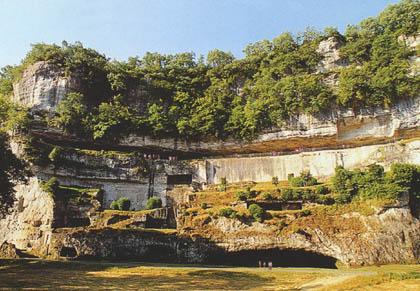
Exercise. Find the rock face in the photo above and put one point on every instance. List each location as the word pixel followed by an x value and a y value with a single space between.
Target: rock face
pixel 328 130
pixel 389 236
pixel 28 227
pixel 329 49
pixel 320 163
pixel 42 87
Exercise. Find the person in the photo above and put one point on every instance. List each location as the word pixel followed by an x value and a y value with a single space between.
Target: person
pixel 270 265
pixel 259 263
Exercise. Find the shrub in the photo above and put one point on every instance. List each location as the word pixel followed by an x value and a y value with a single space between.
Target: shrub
pixel 297 194
pixel 305 179
pixel 245 195
pixel 342 198
pixel 325 199
pixel 54 154
pixel 124 203
pixel 267 196
pixel 322 190
pixel 154 202
pixel 52 186
pixel 242 195
pixel 114 205
pixel 308 195
pixel 228 212
pixel 275 180
pixel 306 212
pixel 204 205
pixel 287 194
pixel 223 184
pixel 257 212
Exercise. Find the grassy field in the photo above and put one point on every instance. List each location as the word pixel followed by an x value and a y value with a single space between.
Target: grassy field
pixel 37 275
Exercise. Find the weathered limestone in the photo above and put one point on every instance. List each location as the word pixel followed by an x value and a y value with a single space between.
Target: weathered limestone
pixel 28 227
pixel 389 236
pixel 329 49
pixel 320 163
pixel 42 87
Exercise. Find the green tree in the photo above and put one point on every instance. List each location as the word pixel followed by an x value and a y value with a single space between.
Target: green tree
pixel 71 114
pixel 12 171
pixel 218 58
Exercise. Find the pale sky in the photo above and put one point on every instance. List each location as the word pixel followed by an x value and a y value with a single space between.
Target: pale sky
pixel 123 28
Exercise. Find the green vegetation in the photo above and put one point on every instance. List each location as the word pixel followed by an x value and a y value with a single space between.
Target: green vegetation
pixel 12 171
pixel 154 202
pixel 223 184
pixel 221 96
pixel 228 212
pixel 246 195
pixel 374 183
pixel 305 179
pixel 121 203
pixel 257 212
pixel 52 187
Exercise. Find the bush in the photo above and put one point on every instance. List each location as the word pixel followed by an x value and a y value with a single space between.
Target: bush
pixel 114 205
pixel 297 194
pixel 275 180
pixel 242 195
pixel 322 190
pixel 228 212
pixel 308 195
pixel 245 195
pixel 306 212
pixel 52 186
pixel 267 196
pixel 204 205
pixel 124 203
pixel 257 212
pixel 342 198
pixel 223 184
pixel 305 179
pixel 325 199
pixel 287 194
pixel 54 154
pixel 154 202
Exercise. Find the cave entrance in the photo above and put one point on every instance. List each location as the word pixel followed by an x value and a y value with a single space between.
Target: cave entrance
pixel 179 179
pixel 278 257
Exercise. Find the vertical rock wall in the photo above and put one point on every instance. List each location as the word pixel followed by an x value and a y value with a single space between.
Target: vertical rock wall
pixel 28 227
pixel 319 163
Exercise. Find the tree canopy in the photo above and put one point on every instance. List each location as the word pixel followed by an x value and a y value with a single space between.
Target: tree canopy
pixel 187 96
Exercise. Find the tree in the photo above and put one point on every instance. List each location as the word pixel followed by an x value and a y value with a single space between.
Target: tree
pixel 218 58
pixel 71 114
pixel 12 171
pixel 112 120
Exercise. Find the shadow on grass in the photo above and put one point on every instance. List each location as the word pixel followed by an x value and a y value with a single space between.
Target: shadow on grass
pixel 71 275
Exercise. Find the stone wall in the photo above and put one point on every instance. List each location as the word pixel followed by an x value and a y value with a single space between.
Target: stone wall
pixel 319 163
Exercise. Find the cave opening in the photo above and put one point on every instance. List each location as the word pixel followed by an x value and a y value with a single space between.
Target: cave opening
pixel 180 179
pixel 278 257
pixel 68 252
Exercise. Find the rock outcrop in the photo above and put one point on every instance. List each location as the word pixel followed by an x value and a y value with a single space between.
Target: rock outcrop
pixel 42 86
pixel 390 235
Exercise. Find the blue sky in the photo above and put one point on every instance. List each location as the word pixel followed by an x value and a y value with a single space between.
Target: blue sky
pixel 123 28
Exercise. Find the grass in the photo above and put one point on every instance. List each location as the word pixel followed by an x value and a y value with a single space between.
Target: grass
pixel 37 274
